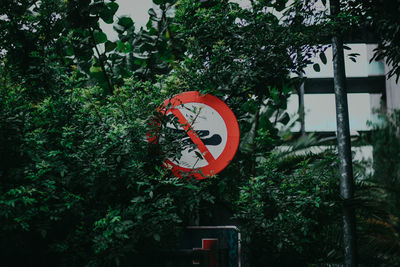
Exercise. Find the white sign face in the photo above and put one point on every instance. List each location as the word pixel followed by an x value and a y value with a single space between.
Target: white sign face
pixel 211 129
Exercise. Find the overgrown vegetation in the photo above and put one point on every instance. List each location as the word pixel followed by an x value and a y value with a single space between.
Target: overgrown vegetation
pixel 81 185
pixel 79 181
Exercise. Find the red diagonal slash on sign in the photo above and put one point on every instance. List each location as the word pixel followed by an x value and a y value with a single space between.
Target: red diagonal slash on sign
pixel 193 135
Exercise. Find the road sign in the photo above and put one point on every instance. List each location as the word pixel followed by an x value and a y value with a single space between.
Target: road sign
pixel 210 125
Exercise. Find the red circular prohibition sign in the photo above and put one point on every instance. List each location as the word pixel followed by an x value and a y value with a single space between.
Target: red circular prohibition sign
pixel 215 165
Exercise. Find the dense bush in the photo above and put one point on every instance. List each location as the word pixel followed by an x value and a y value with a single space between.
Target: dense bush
pixel 79 182
pixel 291 218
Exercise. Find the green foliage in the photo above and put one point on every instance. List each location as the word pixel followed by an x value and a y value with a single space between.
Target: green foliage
pixel 245 56
pixel 83 182
pixel 48 39
pixel 380 17
pixel 378 224
pixel 81 185
pixel 378 195
pixel 31 46
pixel 293 213
pixel 386 144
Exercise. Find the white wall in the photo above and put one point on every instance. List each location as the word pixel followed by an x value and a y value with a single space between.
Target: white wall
pixel 320 111
pixel 361 68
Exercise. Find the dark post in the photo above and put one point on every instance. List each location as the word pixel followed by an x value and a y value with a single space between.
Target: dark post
pixel 301 108
pixel 343 137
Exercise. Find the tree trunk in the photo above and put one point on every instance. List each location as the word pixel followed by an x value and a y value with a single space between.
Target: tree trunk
pixel 301 108
pixel 344 146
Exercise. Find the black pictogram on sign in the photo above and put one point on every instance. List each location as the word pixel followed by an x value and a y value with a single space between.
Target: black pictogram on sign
pixel 204 135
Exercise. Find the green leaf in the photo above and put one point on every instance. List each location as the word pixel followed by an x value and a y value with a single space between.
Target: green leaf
pixel 137 199
pixel 284 118
pixel 157 237
pixel 109 46
pixel 140 56
pixel 94 69
pixel 322 56
pixel 113 7
pixel 99 37
pixel 107 13
pixel 152 13
pixel 127 48
pixel 124 47
pixel 69 51
pixel 280 5
pixel 107 17
pixel 149 24
pixel 158 2
pixel 198 154
pixel 316 67
pixel 120 45
pixel 43 233
pixel 96 7
pixel 126 22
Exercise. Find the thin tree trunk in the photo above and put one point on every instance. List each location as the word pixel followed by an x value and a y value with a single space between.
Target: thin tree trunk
pixel 103 68
pixel 301 108
pixel 254 145
pixel 344 147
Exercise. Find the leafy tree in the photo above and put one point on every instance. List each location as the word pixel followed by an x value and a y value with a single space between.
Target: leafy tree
pixel 83 186
pixel 245 56
pixel 31 46
pixel 380 17
pixel 80 185
pixel 147 53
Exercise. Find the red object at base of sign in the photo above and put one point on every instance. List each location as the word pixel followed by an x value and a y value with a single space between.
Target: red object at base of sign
pixel 210 244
